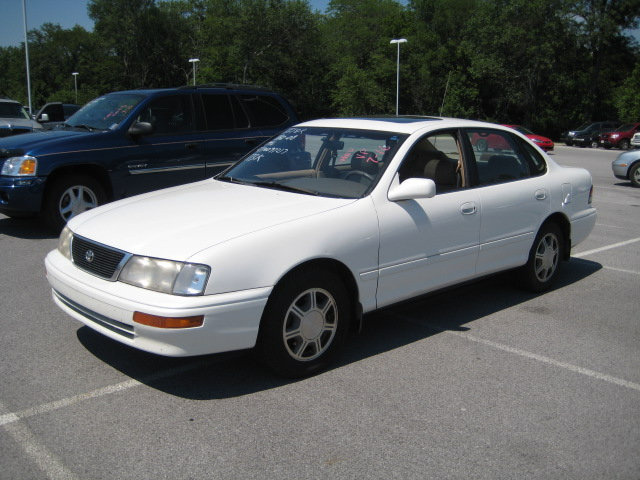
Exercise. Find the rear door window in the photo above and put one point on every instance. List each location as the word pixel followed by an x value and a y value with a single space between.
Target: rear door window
pixel 264 110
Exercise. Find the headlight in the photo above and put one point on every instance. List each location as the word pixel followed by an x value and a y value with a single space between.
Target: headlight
pixel 615 135
pixel 165 276
pixel 24 166
pixel 64 242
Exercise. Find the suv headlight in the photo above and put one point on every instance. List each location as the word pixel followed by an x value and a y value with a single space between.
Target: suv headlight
pixel 165 276
pixel 24 166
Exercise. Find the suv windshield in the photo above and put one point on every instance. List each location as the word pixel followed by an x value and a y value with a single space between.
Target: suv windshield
pixel 12 110
pixel 319 161
pixel 105 112
pixel 524 130
pixel 625 128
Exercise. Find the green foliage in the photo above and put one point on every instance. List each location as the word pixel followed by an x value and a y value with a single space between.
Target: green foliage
pixel 627 97
pixel 549 64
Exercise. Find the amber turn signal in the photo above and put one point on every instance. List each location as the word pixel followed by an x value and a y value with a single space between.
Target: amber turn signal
pixel 168 322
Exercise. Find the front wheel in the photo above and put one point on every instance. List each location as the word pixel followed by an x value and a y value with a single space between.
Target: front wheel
pixel 634 175
pixel 624 144
pixel 544 259
pixel 304 324
pixel 70 196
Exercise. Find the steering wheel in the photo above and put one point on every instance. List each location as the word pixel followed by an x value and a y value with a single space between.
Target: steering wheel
pixel 359 173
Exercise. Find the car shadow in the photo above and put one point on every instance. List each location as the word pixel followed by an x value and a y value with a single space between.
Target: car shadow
pixel 25 228
pixel 234 374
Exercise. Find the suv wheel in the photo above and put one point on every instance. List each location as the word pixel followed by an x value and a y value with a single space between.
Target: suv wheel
pixel 624 144
pixel 70 196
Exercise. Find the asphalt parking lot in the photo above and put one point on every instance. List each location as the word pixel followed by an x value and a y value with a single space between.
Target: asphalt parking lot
pixel 484 381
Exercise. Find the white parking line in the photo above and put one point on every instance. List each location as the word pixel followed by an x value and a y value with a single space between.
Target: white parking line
pixel 622 270
pixel 53 468
pixel 523 353
pixel 100 392
pixel 608 247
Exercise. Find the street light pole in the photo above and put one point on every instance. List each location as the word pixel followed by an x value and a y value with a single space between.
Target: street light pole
pixel 398 41
pixel 75 83
pixel 26 52
pixel 194 61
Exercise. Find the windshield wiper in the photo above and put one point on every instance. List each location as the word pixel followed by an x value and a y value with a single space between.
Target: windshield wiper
pixel 286 188
pixel 226 178
pixel 86 127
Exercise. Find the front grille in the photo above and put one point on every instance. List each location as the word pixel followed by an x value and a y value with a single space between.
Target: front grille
pixel 97 259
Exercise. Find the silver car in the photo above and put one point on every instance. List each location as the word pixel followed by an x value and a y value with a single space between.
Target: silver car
pixel 635 141
pixel 627 167
pixel 14 119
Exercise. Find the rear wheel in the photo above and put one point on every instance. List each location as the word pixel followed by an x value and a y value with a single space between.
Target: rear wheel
pixel 544 259
pixel 305 323
pixel 70 196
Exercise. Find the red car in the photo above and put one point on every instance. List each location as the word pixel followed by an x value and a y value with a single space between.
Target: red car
pixel 543 142
pixel 621 138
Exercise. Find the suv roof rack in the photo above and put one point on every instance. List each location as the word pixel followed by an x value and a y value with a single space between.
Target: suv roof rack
pixel 229 86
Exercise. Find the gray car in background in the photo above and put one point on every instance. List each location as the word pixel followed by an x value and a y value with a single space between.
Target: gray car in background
pixel 627 167
pixel 14 119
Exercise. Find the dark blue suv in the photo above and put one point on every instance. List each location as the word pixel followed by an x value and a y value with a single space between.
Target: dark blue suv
pixel 126 143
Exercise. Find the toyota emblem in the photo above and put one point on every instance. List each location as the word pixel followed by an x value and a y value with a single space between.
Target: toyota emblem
pixel 89 256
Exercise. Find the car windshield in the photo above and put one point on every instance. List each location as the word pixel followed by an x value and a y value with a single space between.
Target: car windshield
pixel 105 112
pixel 329 162
pixel 583 127
pixel 625 128
pixel 12 110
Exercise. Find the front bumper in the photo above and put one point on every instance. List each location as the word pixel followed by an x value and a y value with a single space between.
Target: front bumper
pixel 21 194
pixel 231 320
pixel 620 172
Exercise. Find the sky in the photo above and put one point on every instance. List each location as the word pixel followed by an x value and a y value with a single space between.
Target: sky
pixel 67 13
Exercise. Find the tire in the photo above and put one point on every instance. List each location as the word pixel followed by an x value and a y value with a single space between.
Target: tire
pixel 70 196
pixel 634 175
pixel 624 144
pixel 544 260
pixel 594 144
pixel 305 323
pixel 568 143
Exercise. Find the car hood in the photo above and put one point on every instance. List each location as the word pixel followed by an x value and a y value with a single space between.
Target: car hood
pixel 19 122
pixel 45 141
pixel 178 222
pixel 538 137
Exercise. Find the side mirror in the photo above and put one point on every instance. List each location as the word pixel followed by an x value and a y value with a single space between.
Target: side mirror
pixel 140 128
pixel 44 117
pixel 413 188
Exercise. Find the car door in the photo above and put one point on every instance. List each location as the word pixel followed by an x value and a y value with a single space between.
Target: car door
pixel 429 243
pixel 513 197
pixel 173 153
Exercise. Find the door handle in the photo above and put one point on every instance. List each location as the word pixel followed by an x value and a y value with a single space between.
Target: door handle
pixel 468 208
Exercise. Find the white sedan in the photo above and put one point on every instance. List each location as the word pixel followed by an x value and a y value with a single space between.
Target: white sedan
pixel 334 218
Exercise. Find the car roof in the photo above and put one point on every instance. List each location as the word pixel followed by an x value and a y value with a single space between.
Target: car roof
pixel 214 86
pixel 401 124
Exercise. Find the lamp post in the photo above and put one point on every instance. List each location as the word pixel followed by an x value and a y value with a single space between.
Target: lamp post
pixel 75 83
pixel 26 52
pixel 194 61
pixel 398 41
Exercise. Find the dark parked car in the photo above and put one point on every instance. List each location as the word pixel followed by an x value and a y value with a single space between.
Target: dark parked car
pixel 587 135
pixel 131 142
pixel 14 119
pixel 621 138
pixel 54 113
